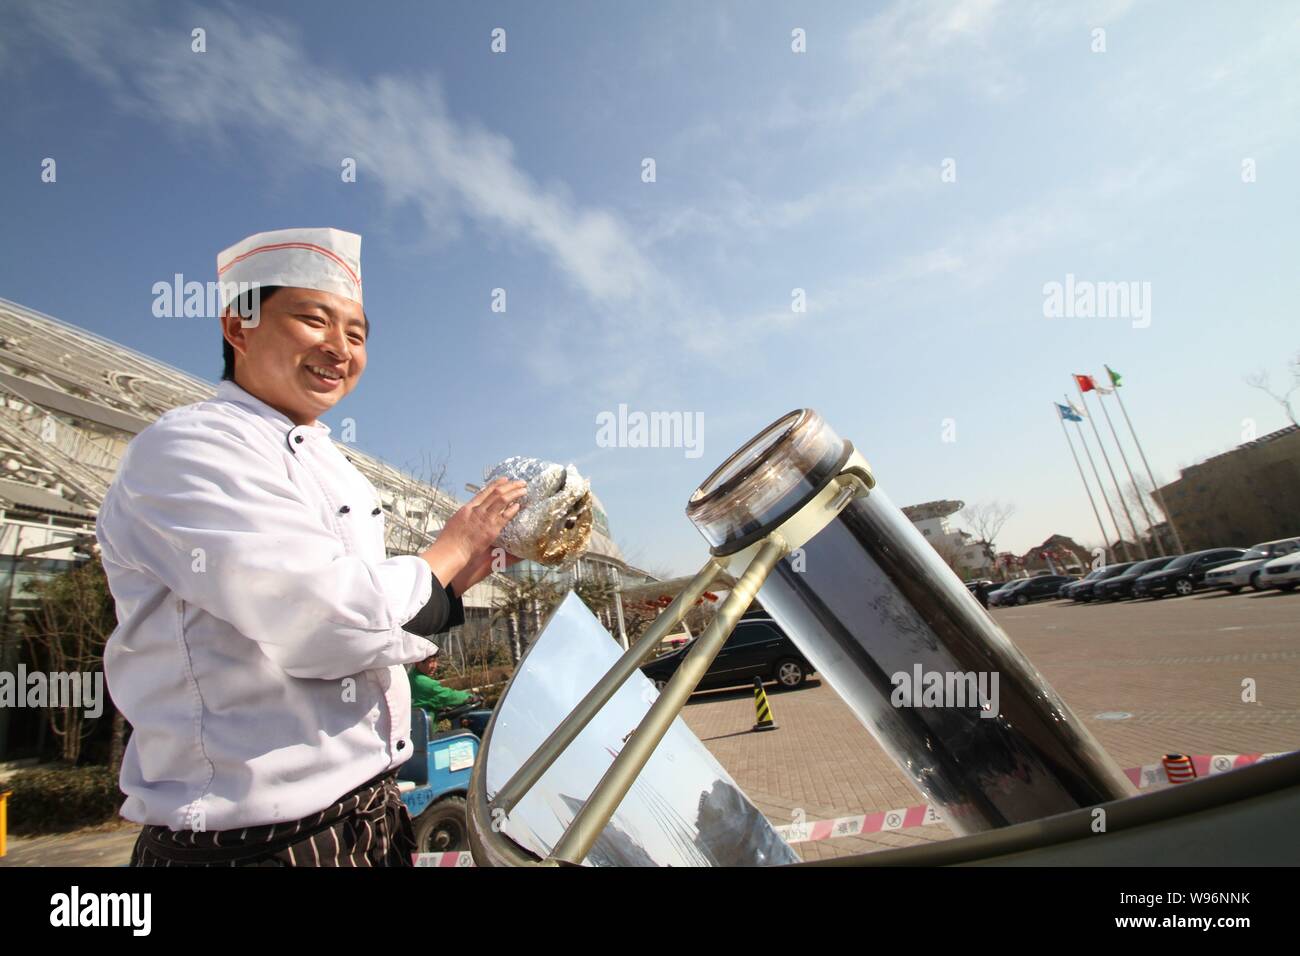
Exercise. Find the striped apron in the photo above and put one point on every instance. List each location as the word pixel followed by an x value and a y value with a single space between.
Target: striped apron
pixel 369 826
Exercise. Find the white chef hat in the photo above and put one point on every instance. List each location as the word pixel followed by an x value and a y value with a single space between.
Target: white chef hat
pixel 324 259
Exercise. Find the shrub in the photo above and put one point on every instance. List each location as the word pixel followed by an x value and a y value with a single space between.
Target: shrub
pixel 48 800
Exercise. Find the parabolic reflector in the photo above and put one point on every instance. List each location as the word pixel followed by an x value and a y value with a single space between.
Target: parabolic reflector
pixel 683 810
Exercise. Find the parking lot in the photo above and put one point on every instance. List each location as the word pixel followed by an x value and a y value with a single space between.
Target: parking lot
pixel 1175 666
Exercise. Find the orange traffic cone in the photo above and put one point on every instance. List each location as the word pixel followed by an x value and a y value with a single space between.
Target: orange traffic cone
pixel 763 709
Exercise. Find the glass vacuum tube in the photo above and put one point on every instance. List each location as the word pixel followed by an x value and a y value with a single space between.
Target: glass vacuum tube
pixel 893 630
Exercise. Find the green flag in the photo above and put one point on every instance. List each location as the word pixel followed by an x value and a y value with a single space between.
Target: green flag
pixel 1114 376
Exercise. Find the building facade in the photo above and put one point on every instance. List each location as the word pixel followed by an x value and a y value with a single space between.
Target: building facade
pixel 965 554
pixel 1244 496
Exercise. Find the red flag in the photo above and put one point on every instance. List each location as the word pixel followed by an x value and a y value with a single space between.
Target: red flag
pixel 1086 384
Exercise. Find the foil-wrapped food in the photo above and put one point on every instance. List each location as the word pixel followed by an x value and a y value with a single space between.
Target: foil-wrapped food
pixel 553 525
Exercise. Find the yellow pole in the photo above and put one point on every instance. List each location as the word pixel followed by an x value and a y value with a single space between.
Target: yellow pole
pixel 4 818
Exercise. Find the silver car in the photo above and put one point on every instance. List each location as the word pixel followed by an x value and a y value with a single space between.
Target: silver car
pixel 1233 577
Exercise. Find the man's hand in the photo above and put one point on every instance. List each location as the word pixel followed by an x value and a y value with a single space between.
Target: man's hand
pixel 493 559
pixel 463 552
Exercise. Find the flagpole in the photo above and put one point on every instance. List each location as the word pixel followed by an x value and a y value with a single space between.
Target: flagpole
pixel 1106 458
pixel 1075 455
pixel 1178 541
pixel 1155 539
pixel 1119 533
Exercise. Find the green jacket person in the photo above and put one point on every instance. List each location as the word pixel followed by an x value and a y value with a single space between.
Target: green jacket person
pixel 428 693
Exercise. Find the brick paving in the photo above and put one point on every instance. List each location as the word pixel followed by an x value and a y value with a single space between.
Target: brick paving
pixel 1175 665
pixel 107 845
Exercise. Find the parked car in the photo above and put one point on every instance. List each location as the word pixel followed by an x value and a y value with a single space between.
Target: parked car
pixel 1070 581
pixel 1120 586
pixel 1084 590
pixel 1185 573
pixel 1069 590
pixel 1238 574
pixel 756 648
pixel 1035 589
pixel 1282 572
pixel 998 596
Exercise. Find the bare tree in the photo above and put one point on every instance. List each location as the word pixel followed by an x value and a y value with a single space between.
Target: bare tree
pixel 701 615
pixel 419 507
pixel 986 519
pixel 1142 499
pixel 1259 380
pixel 522 604
pixel 950 553
pixel 65 634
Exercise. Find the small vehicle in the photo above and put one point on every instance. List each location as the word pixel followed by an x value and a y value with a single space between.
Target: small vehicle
pixel 1120 586
pixel 471 716
pixel 1085 590
pixel 756 648
pixel 1185 573
pixel 1238 574
pixel 999 594
pixel 1034 589
pixel 1282 572
pixel 1073 587
pixel 1071 590
pixel 435 780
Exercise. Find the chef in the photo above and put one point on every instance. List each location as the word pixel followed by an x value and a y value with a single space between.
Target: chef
pixel 261 628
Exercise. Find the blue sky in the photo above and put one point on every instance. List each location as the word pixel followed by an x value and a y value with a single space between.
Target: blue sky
pixel 775 171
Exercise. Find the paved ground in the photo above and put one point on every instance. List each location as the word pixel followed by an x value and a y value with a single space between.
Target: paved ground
pixel 1176 666
pixel 109 845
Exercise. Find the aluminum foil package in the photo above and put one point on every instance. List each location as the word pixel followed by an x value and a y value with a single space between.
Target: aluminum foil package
pixel 553 527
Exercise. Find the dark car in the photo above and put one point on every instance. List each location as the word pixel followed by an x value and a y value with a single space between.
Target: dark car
pixel 1035 589
pixel 1063 591
pixel 1185 573
pixel 756 648
pixel 1071 589
pixel 1085 590
pixel 1120 586
pixel 999 594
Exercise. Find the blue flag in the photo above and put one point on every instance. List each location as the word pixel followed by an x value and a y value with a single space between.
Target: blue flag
pixel 1067 413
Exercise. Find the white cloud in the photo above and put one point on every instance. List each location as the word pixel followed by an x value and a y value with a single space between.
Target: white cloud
pixel 257 76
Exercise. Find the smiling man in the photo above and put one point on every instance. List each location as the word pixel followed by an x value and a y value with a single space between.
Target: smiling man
pixel 262 628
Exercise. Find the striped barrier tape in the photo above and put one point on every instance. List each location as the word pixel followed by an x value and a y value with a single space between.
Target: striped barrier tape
pixel 1154 774
pixel 463 858
pixel 1146 777
pixel 805 832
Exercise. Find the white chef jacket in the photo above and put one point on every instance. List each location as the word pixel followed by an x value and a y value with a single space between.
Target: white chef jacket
pixel 259 643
